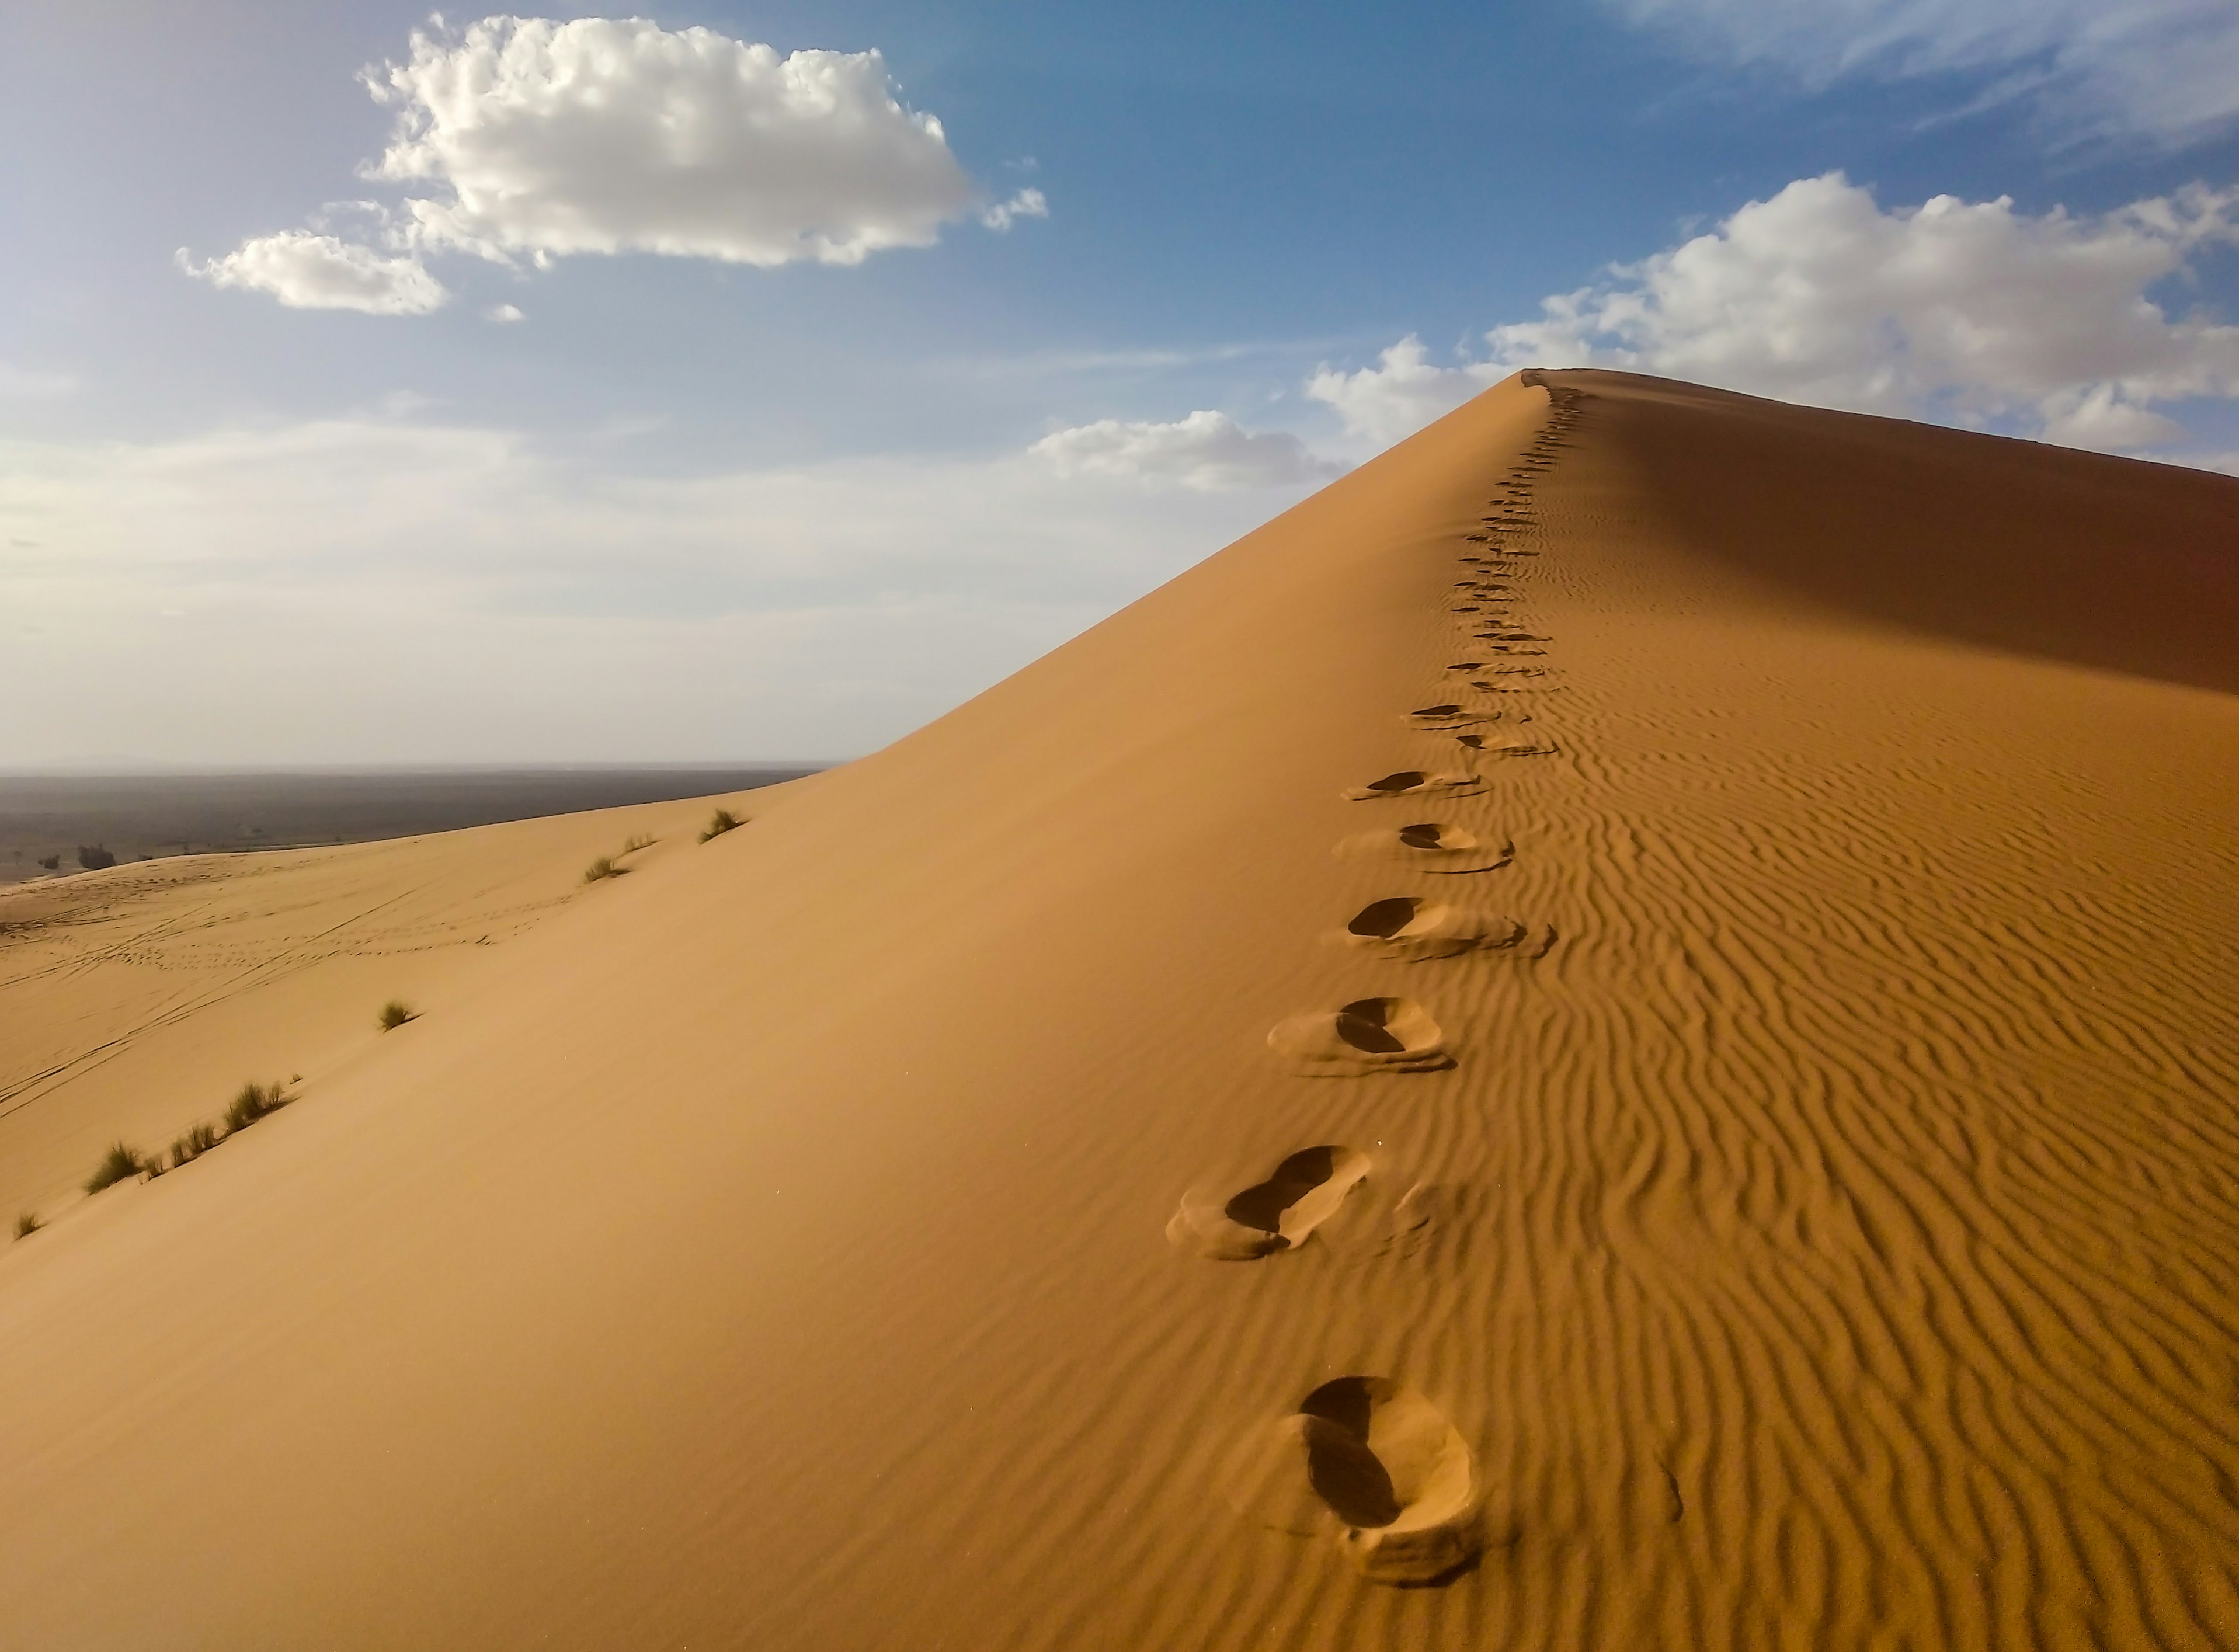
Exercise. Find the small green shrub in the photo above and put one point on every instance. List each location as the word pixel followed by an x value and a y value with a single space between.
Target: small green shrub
pixel 192 1146
pixel 719 822
pixel 52 862
pixel 604 867
pixel 395 1013
pixel 252 1104
pixel 119 1164
pixel 94 858
pixel 27 1223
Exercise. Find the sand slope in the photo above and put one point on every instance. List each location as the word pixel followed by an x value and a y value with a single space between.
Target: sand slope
pixel 1746 1157
pixel 135 1001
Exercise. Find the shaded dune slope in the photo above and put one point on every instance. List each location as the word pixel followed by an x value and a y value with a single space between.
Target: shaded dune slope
pixel 1745 1156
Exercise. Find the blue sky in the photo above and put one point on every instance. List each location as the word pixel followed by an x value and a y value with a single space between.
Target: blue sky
pixel 556 447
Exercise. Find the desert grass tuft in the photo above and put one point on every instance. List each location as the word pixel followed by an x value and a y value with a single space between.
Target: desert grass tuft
pixel 604 867
pixel 252 1104
pixel 120 1163
pixel 27 1223
pixel 719 822
pixel 395 1013
pixel 192 1146
pixel 635 844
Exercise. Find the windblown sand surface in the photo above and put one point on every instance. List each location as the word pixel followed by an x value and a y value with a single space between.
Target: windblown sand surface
pixel 1618 1032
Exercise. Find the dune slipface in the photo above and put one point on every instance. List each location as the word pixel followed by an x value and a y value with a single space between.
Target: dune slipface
pixel 1831 1243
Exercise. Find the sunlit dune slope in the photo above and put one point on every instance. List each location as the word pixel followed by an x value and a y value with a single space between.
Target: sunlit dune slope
pixel 135 1001
pixel 1570 1046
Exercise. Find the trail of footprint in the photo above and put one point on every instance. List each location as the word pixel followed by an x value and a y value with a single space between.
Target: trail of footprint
pixel 1368 1035
pixel 1278 1214
pixel 1378 1461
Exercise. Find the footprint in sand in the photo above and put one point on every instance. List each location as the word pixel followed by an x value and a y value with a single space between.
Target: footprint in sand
pixel 1368 1035
pixel 1444 716
pixel 1278 1214
pixel 1516 685
pixel 1507 742
pixel 1408 927
pixel 1379 1462
pixel 1428 845
pixel 1414 782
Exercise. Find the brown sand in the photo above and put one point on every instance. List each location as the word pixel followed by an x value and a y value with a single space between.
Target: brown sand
pixel 893 1225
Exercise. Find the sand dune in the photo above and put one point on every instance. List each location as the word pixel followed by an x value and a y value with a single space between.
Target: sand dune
pixel 991 1202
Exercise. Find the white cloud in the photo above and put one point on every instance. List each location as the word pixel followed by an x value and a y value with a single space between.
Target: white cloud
pixel 536 139
pixel 446 593
pixel 613 135
pixel 1972 312
pixel 1400 394
pixel 2166 70
pixel 305 270
pixel 1028 203
pixel 1206 451
pixel 504 313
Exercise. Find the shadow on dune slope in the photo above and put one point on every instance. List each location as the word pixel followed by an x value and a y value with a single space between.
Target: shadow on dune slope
pixel 2114 563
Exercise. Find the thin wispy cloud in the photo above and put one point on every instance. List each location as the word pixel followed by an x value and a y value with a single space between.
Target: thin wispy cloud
pixel 1207 451
pixel 2162 71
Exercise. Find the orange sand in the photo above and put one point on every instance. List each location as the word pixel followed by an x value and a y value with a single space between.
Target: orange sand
pixel 1728 1144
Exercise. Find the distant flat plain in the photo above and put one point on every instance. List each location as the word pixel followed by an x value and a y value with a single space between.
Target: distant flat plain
pixel 142 817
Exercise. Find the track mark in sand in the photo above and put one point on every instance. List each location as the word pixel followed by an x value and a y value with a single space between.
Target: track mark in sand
pixel 1278 1214
pixel 1380 1462
pixel 1428 845
pixel 1508 742
pixel 1510 686
pixel 1444 716
pixel 1368 1035
pixel 1416 783
pixel 1405 926
pixel 1671 1485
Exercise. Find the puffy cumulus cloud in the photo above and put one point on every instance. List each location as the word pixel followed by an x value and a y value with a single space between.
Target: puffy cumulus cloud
pixel 1206 451
pixel 524 138
pixel 2166 71
pixel 434 592
pixel 615 134
pixel 1401 393
pixel 1970 309
pixel 1971 312
pixel 307 270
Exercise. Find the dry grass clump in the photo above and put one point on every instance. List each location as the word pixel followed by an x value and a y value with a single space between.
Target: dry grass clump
pixel 122 1161
pixel 610 866
pixel 395 1013
pixel 27 1223
pixel 192 1146
pixel 119 1164
pixel 252 1104
pixel 719 822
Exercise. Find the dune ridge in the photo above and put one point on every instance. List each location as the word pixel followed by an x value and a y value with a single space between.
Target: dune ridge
pixel 1821 1231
